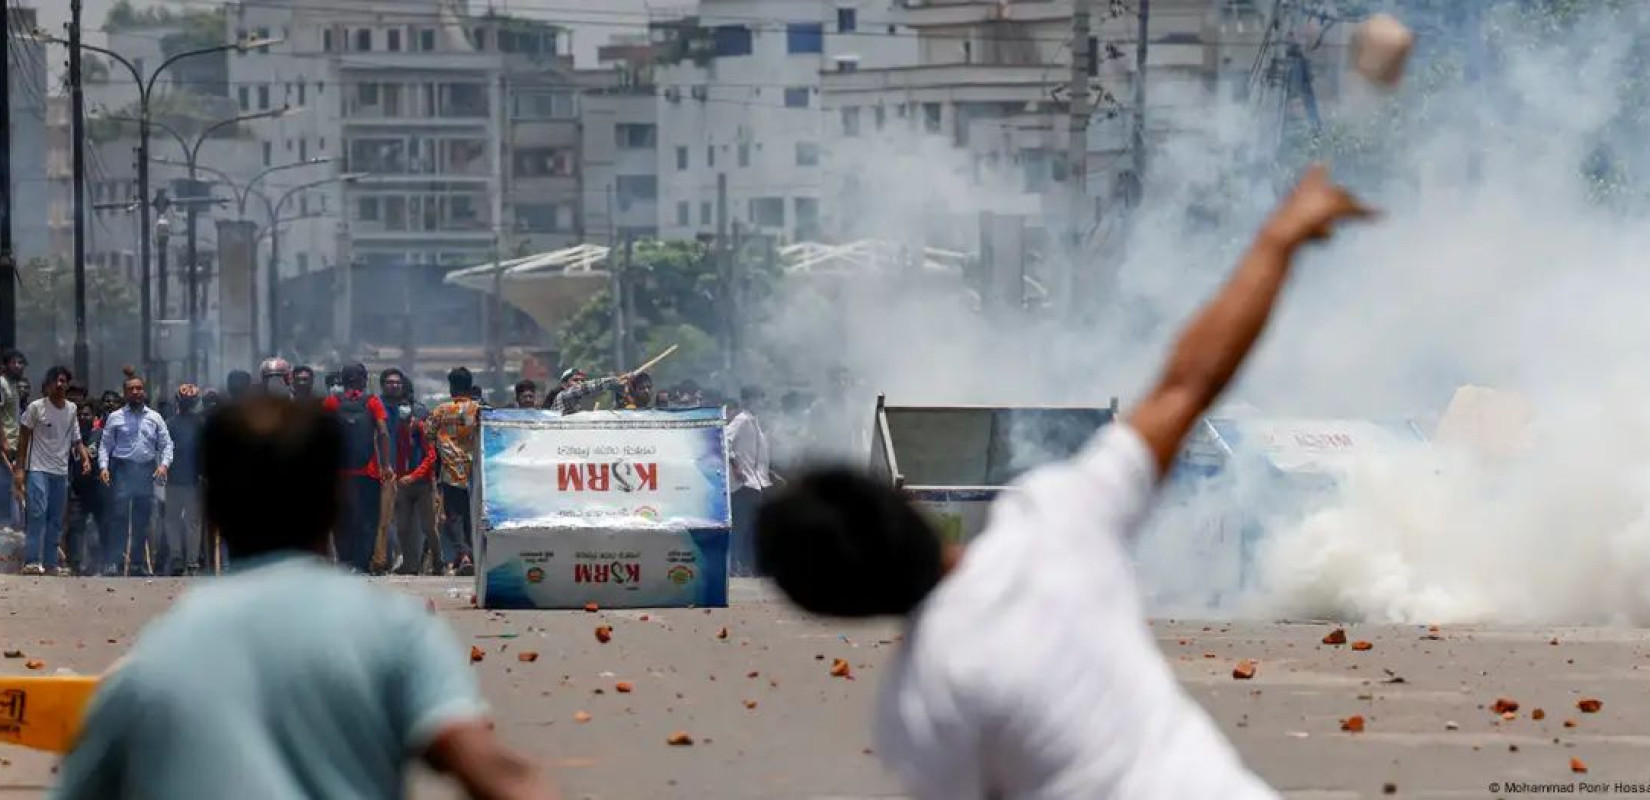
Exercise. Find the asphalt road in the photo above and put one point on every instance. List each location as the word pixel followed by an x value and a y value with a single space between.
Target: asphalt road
pixel 769 720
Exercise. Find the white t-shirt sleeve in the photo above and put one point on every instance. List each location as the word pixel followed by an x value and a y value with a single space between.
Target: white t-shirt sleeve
pixel 31 415
pixel 1105 491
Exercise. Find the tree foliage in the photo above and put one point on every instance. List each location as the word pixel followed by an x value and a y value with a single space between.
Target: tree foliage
pixel 45 319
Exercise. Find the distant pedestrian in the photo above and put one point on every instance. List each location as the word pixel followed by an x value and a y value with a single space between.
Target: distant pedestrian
pixel 303 383
pixel 365 466
pixel 181 517
pixel 275 377
pixel 237 385
pixel 527 393
pixel 88 503
pixel 12 364
pixel 456 424
pixel 286 678
pixel 49 447
pixel 135 455
pixel 749 477
pixel 412 455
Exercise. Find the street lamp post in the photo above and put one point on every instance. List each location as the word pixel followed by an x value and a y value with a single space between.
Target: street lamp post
pixel 146 87
pixel 272 269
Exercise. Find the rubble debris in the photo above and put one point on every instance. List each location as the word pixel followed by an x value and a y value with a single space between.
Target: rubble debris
pixel 1353 724
pixel 1538 714
pixel 1244 670
pixel 476 654
pixel 624 687
pixel 1577 765
pixel 592 607
pixel 527 656
pixel 679 739
pixel 1503 705
pixel 1362 646
pixel 722 634
pixel 1337 636
pixel 604 633
pixel 840 669
pixel 749 704
pixel 1590 705
pixel 581 716
pixel 35 663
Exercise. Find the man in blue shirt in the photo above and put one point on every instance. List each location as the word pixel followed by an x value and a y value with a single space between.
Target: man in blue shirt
pixel 288 678
pixel 136 453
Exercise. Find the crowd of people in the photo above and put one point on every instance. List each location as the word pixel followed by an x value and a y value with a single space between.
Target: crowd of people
pixel 112 487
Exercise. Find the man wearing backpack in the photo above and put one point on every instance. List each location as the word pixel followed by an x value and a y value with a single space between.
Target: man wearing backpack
pixel 365 466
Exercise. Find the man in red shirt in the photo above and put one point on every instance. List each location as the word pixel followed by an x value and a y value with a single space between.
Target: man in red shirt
pixel 366 443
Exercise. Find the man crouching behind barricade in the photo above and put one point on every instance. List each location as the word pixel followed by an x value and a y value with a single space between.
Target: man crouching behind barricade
pixel 288 678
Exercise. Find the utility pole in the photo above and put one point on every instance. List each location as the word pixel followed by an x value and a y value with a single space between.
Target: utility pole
pixel 620 287
pixel 724 273
pixel 1137 142
pixel 495 303
pixel 77 135
pixel 1077 146
pixel 8 259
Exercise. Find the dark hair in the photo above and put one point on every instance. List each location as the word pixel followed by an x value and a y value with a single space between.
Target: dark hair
pixel 396 371
pixel 526 386
pixel 10 353
pixel 354 376
pixel 550 396
pixel 305 369
pixel 459 381
pixel 835 522
pixel 750 394
pixel 296 448
pixel 53 372
pixel 130 374
pixel 238 381
pixel 78 389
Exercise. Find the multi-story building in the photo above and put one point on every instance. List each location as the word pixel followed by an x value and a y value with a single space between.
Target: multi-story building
pixel 459 137
pixel 611 118
pixel 31 230
pixel 991 85
pixel 739 105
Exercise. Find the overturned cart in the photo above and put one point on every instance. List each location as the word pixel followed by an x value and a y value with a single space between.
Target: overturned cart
pixel 953 461
pixel 620 508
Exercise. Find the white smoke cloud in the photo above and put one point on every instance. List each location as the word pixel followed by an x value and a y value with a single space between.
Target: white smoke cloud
pixel 1518 278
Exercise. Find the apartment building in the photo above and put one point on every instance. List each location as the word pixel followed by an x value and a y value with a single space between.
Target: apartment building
pixel 449 135
pixel 739 103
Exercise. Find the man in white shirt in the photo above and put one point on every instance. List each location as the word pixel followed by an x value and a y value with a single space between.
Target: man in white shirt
pixel 748 478
pixel 1028 670
pixel 50 433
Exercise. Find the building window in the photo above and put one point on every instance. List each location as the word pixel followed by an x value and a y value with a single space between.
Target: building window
pixel 303 149
pixel 847 20
pixel 426 40
pixel 628 189
pixel 269 153
pixel 245 95
pixel 804 37
pixel 710 155
pixel 301 93
pixel 302 260
pixel 366 94
pixel 704 213
pixel 796 97
pixel 321 145
pixel 320 86
pixel 326 40
pixel 634 136
pixel 731 40
pixel 744 154
pixel 363 40
pixel 683 214
pixel 544 162
pixel 538 217
pixel 478 37
pixel 263 97
pixel 263 34
pixel 303 204
pixel 807 218
pixel 768 212
pixel 681 158
pixel 289 145
pixel 850 121
pixel 545 105
pixel 366 209
pixel 392 40
pixel 807 154
pixel 931 117
pixel 879 113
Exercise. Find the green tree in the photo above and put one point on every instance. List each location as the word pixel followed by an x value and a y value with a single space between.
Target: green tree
pixel 45 319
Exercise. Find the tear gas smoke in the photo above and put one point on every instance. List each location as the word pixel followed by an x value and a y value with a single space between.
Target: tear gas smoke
pixel 1511 255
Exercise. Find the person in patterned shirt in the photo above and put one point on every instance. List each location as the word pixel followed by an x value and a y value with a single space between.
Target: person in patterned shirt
pixel 456 423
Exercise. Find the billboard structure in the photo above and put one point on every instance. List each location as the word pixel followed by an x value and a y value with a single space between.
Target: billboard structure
pixel 621 508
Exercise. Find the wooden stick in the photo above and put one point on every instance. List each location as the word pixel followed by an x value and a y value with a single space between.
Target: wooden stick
pixel 656 359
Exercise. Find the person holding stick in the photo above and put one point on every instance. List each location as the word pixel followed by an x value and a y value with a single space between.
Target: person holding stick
pixel 1028 670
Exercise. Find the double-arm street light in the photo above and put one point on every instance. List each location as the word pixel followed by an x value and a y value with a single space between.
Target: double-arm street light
pixel 146 86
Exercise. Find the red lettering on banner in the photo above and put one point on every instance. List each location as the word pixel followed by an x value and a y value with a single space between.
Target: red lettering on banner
pixel 618 572
pixel 568 477
pixel 601 477
pixel 649 475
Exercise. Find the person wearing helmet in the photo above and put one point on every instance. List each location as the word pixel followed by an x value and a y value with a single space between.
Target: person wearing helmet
pixel 276 376
pixel 575 387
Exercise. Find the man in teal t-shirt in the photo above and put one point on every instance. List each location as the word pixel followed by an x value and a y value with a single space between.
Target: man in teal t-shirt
pixel 289 678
